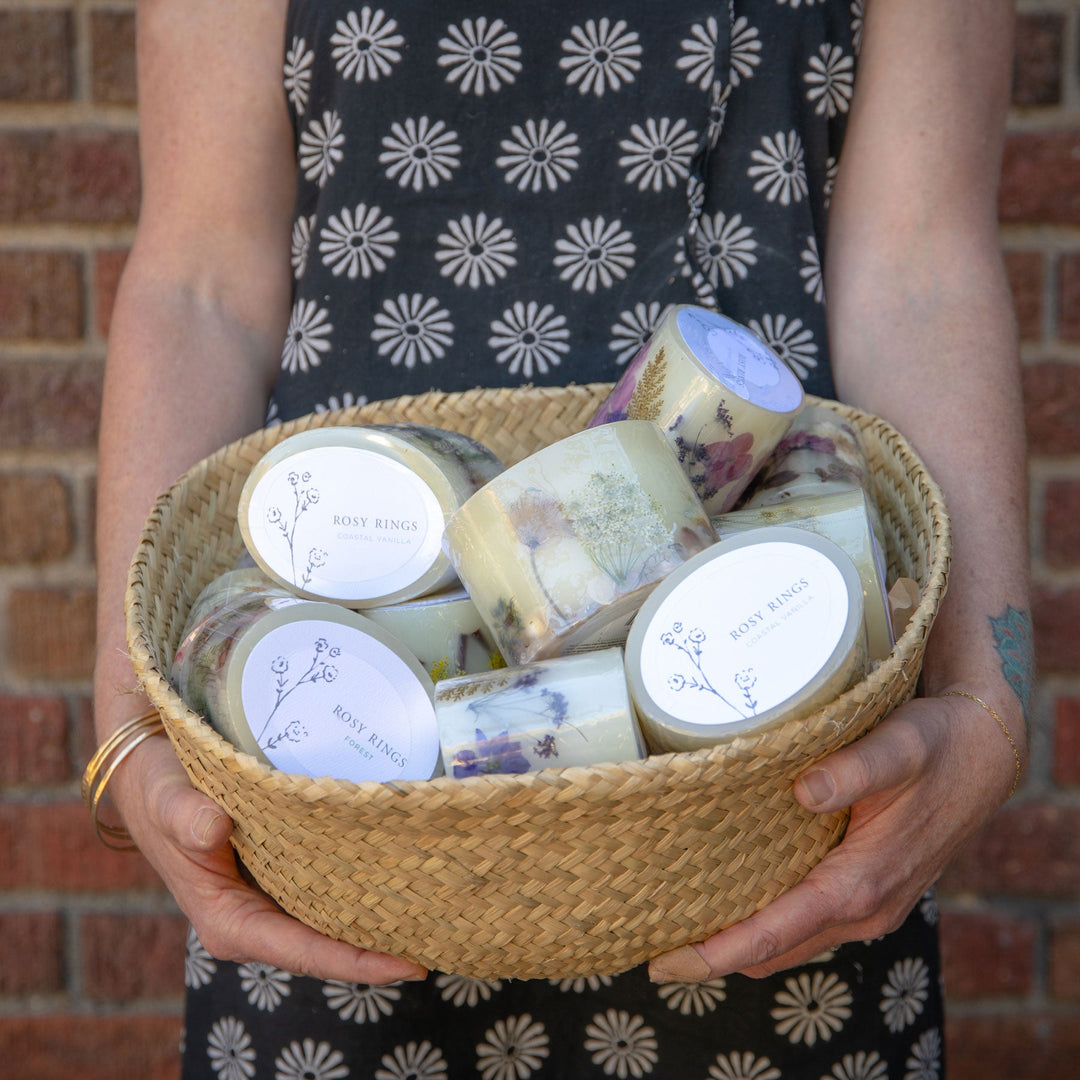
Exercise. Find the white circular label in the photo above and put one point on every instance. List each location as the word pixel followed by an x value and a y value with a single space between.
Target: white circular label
pixel 345 523
pixel 744 632
pixel 325 699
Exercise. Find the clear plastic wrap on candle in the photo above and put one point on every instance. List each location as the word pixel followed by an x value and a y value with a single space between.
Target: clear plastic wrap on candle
pixel 721 396
pixel 845 518
pixel 559 551
pixel 444 631
pixel 307 687
pixel 356 514
pixel 762 628
pixel 570 710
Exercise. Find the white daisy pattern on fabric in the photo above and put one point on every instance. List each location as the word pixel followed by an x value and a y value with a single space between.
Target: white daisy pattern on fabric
pixel 744 1066
pixel 306 337
pixel 582 983
pixel 779 170
pixel 832 166
pixel 298 63
pixel 592 253
pixel 723 248
pixel 420 152
pixel 745 50
pixel 789 339
pixel 928 905
pixel 601 56
pixel 696 998
pixel 476 251
pixel 358 242
pixel 320 148
pixel 413 1061
pixel 859 1066
pixel 810 272
pixel 480 56
pixel 360 1002
pixel 904 994
pixel 812 1007
pixel 463 990
pixel 658 154
pixel 529 338
pixel 622 1044
pixel 540 154
pixel 230 1051
pixel 634 328
pixel 265 985
pixel 699 52
pixel 831 79
pixel 924 1061
pixel 346 401
pixel 300 245
pixel 199 965
pixel 513 1049
pixel 366 46
pixel 412 328
pixel 858 12
pixel 310 1060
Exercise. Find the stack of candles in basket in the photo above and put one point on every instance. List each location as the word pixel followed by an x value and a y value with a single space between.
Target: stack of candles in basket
pixel 703 561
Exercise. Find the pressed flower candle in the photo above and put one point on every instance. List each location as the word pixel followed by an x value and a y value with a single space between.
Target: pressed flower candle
pixel 721 396
pixel 356 514
pixel 570 710
pixel 559 551
pixel 761 628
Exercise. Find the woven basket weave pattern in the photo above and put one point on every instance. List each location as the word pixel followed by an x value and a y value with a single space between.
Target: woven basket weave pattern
pixel 546 875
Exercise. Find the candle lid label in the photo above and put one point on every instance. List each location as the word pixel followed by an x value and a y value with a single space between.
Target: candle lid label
pixel 744 632
pixel 345 523
pixel 326 699
pixel 738 359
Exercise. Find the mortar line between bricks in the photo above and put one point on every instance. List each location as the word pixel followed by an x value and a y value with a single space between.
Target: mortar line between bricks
pixel 67 118
pixel 48 236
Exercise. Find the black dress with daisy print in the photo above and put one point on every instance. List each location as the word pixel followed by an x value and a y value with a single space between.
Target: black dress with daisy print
pixel 511 193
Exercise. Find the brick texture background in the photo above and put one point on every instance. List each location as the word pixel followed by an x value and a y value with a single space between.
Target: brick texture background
pixel 90 944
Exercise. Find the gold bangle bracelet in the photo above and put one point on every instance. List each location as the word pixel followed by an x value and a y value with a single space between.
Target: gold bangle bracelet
pixel 104 764
pixel 1000 723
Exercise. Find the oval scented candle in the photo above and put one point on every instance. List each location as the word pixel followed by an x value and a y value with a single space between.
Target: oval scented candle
pixel 761 628
pixel 721 396
pixel 356 514
pixel 559 551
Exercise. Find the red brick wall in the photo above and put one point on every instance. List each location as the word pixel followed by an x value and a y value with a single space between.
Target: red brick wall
pixel 77 997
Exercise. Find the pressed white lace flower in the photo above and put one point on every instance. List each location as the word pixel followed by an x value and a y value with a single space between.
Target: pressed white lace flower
pixel 367 46
pixel 582 983
pixel 744 50
pixel 480 57
pixel 813 280
pixel 696 998
pixel 199 965
pixel 529 338
pixel 811 1007
pixel 540 154
pixel 594 252
pixel 414 1061
pixel 924 1061
pixel 699 52
pixel 780 171
pixel 859 1066
pixel 789 339
pixel 320 148
pixel 831 79
pixel 359 1002
pixel 513 1049
pixel 305 339
pixel 476 250
pixel 463 990
pixel 298 63
pixel 358 242
pixel 658 154
pixel 300 246
pixel 420 152
pixel 744 1066
pixel 310 1060
pixel 230 1051
pixel 264 984
pixel 904 994
pixel 601 56
pixel 622 1044
pixel 412 328
pixel 634 328
pixel 724 248
pixel 346 401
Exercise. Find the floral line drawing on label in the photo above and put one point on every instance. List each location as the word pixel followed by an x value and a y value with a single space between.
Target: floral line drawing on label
pixel 319 670
pixel 303 499
pixel 690 646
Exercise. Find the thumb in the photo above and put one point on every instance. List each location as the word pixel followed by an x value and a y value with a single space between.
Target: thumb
pixel 191 819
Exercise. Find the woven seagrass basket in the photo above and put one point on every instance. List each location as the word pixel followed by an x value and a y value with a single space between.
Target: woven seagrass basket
pixel 552 874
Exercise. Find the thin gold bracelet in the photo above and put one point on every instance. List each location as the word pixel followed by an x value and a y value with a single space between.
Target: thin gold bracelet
pixel 1000 723
pixel 104 764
